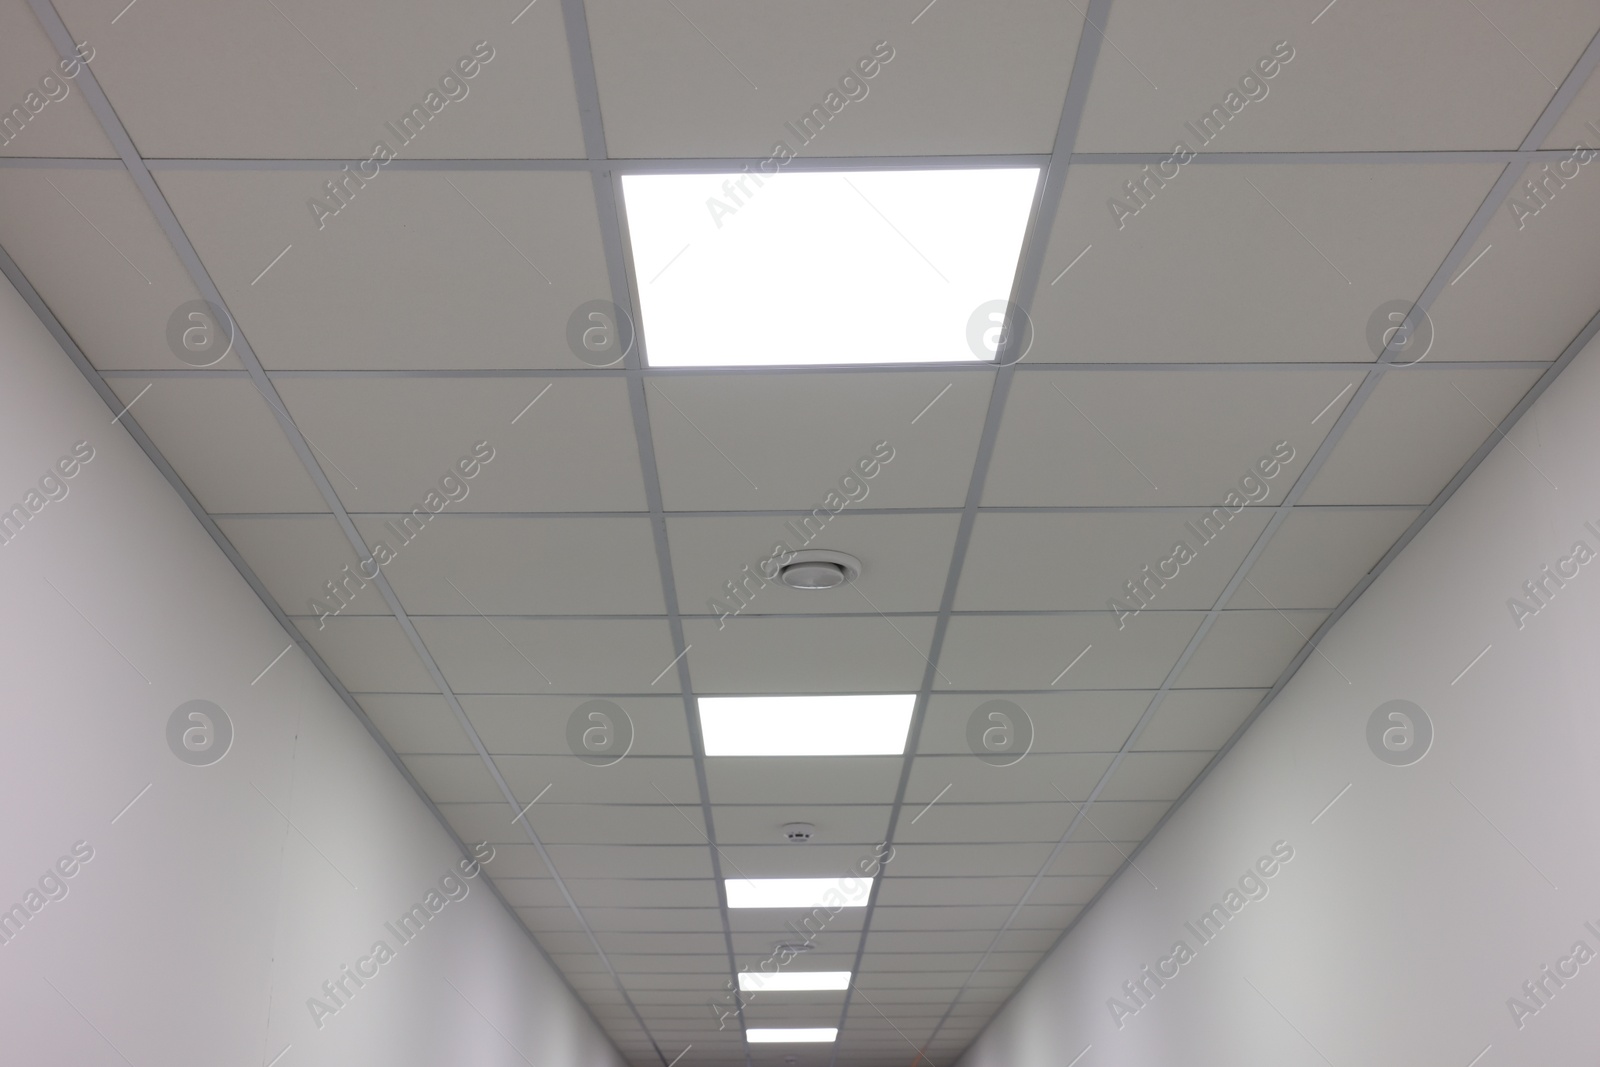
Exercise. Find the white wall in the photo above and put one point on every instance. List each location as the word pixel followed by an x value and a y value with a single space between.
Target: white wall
pixel 203 922
pixel 1423 899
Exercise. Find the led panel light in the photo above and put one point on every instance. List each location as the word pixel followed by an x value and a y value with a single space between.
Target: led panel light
pixel 873 724
pixel 798 894
pixel 772 1035
pixel 792 981
pixel 752 268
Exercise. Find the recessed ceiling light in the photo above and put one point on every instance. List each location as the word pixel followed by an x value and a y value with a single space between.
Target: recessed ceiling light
pixel 793 981
pixel 797 893
pixel 775 1035
pixel 824 267
pixel 874 724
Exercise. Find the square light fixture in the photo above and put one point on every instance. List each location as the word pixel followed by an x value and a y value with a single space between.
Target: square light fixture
pixel 791 1035
pixel 874 724
pixel 798 894
pixel 792 981
pixel 751 268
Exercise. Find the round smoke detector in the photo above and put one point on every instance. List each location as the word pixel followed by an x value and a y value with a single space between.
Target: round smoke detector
pixel 819 569
pixel 798 833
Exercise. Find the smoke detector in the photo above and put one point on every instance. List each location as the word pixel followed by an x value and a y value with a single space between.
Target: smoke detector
pixel 818 569
pixel 798 833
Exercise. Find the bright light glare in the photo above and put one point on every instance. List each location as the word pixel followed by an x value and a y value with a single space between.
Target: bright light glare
pixel 870 725
pixel 798 893
pixel 882 266
pixel 773 1035
pixel 792 981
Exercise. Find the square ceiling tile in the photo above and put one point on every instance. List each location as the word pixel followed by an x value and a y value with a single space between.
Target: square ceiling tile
pixel 557 822
pixel 369 654
pixel 1249 648
pixel 1038 778
pixel 512 255
pixel 1198 719
pixel 776 858
pixel 296 556
pixel 533 725
pixel 1063 651
pixel 645 780
pixel 416 722
pixel 63 125
pixel 1415 432
pixel 1154 775
pixel 769 441
pixel 757 656
pixel 399 438
pixel 1304 252
pixel 1050 722
pixel 623 861
pixel 303 82
pixel 1159 438
pixel 465 779
pixel 749 824
pixel 223 439
pixel 1347 83
pixel 1119 820
pixel 518 566
pixel 905 559
pixel 992 818
pixel 550 656
pixel 1573 126
pixel 1086 859
pixel 717 78
pixel 1020 561
pixel 799 780
pixel 1318 555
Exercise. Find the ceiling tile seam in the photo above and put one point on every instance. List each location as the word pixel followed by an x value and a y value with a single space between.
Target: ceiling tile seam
pixel 1463 244
pixel 1043 509
pixel 41 310
pixel 1030 270
pixel 118 135
pixel 609 214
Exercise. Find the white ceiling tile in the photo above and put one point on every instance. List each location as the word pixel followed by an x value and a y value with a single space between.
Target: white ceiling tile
pixel 1418 427
pixel 554 656
pixel 415 722
pixel 670 897
pixel 1090 858
pixel 1059 722
pixel 225 443
pixel 397 439
pixel 566 780
pixel 1198 719
pixel 747 441
pixel 461 779
pixel 304 82
pixel 1317 556
pixel 967 860
pixel 1080 561
pixel 370 654
pixel 684 81
pixel 296 556
pixel 1120 820
pixel 1349 85
pixel 752 824
pixel 631 861
pixel 559 822
pixel 904 561
pixel 63 125
pixel 506 566
pixel 1032 652
pixel 1154 775
pixel 785 860
pixel 512 255
pixel 855 655
pixel 1573 126
pixel 797 780
pixel 1035 779
pixel 537 725
pixel 1249 648
pixel 1167 438
pixel 1305 256
pixel 952 889
pixel 990 818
